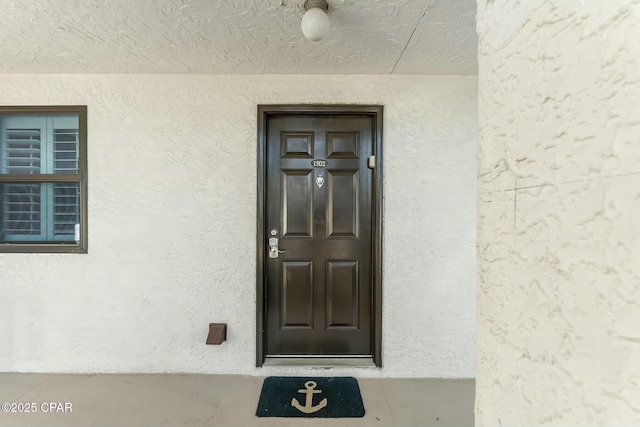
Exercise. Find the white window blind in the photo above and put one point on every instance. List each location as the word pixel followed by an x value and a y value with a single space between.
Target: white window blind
pixel 66 197
pixel 21 150
pixel 22 210
pixel 39 145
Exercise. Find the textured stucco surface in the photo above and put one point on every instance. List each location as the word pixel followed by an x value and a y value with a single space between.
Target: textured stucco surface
pixel 172 220
pixel 236 37
pixel 442 43
pixel 559 202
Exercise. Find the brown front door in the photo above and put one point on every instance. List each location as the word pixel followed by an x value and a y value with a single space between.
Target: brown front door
pixel 318 204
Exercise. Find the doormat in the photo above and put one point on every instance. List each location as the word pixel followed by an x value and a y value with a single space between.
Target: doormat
pixel 304 397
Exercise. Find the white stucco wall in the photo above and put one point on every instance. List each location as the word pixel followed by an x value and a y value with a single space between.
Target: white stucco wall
pixel 559 209
pixel 172 220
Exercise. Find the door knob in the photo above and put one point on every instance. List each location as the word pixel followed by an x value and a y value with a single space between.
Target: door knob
pixel 273 248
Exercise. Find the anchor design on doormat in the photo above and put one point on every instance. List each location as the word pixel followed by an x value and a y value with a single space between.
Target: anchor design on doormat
pixel 308 408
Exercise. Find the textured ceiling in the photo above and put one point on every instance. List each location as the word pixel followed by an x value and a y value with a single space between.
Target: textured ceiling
pixel 236 37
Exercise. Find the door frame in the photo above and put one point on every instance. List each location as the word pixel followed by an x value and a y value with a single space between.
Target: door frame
pixel 375 112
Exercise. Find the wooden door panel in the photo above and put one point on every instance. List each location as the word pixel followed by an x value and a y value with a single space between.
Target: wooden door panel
pixel 342 203
pixel 343 145
pixel 297 294
pixel 297 203
pixel 342 294
pixel 296 145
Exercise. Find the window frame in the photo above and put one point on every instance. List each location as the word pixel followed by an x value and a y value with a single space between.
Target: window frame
pixel 80 247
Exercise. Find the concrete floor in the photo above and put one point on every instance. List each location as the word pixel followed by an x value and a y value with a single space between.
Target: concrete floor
pixel 211 400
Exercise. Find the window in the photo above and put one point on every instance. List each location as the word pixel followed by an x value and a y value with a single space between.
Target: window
pixel 43 179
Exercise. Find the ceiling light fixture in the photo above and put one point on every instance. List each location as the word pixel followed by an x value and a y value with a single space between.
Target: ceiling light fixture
pixel 315 22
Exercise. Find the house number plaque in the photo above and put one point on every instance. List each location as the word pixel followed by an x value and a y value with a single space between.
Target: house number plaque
pixel 319 163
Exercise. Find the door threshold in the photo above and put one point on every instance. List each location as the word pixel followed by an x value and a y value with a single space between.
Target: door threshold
pixel 321 362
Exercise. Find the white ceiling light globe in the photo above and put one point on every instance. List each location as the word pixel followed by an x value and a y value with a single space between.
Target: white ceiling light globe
pixel 315 24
